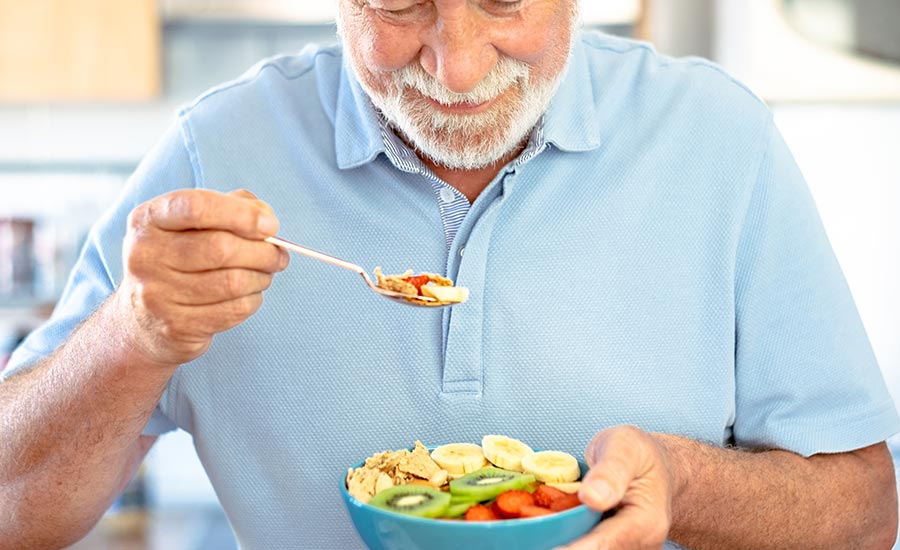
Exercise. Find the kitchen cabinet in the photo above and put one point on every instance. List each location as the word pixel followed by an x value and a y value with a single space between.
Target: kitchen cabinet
pixel 76 50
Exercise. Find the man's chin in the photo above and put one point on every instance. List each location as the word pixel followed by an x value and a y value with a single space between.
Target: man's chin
pixel 465 152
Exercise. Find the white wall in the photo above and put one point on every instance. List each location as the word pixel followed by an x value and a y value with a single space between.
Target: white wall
pixel 850 155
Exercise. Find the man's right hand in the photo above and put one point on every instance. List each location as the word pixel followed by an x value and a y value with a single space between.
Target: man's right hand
pixel 195 264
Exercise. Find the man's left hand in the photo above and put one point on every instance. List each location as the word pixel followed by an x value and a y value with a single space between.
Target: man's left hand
pixel 629 473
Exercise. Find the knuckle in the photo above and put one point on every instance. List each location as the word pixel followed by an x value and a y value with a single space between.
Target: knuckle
pixel 218 249
pixel 246 306
pixel 233 283
pixel 135 255
pixel 184 204
pixel 272 259
pixel 240 308
pixel 136 217
pixel 266 281
pixel 150 299
pixel 171 330
pixel 243 193
pixel 133 261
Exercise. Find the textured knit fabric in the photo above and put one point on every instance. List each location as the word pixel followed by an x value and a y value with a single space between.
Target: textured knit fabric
pixel 656 260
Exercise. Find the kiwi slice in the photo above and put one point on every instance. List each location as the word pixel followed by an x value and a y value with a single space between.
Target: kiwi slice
pixel 487 483
pixel 458 506
pixel 412 500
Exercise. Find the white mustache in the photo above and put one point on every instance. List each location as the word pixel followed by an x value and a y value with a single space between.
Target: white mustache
pixel 505 74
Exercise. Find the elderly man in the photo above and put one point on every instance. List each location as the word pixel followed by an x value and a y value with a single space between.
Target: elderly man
pixel 649 281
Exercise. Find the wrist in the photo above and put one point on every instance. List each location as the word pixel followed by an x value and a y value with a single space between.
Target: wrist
pixel 678 463
pixel 134 339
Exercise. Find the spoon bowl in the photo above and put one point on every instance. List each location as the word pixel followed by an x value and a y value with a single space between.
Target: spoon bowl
pixel 415 301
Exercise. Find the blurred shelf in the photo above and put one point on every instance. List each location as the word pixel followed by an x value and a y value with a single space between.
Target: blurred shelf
pixel 608 12
pixel 280 11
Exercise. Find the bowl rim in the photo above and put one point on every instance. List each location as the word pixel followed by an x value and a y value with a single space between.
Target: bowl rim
pixel 459 523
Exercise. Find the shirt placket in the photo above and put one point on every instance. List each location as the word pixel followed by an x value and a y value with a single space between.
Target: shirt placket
pixel 467 229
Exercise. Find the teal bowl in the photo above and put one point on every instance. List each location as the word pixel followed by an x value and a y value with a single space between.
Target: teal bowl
pixel 384 530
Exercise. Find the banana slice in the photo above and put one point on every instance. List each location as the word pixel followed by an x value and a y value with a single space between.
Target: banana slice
pixel 552 466
pixel 459 458
pixel 505 452
pixel 446 294
pixel 571 487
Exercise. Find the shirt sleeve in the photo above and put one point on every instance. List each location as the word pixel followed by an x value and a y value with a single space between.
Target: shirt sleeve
pixel 806 376
pixel 98 270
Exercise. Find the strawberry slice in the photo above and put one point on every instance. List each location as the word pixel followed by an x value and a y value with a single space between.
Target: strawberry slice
pixel 480 512
pixel 534 511
pixel 544 495
pixel 417 281
pixel 509 503
pixel 565 502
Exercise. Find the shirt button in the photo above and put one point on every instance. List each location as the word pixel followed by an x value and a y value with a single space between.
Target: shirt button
pixel 462 251
pixel 447 195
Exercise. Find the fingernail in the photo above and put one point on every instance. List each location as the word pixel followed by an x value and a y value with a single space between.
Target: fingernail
pixel 267 225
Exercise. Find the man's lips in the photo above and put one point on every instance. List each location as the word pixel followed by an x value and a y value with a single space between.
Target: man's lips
pixel 463 108
pixel 460 108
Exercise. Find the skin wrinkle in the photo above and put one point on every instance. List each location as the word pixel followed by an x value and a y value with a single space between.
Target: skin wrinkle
pixel 78 415
pixel 457 142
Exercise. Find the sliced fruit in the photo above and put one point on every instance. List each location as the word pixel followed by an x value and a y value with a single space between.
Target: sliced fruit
pixel 552 466
pixel 489 482
pixel 412 500
pixel 480 512
pixel 534 511
pixel 571 487
pixel 458 506
pixel 451 294
pixel 505 452
pixel 509 503
pixel 459 458
pixel 565 502
pixel 545 495
pixel 417 281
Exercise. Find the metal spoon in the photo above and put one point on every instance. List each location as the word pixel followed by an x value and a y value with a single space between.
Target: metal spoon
pixel 418 301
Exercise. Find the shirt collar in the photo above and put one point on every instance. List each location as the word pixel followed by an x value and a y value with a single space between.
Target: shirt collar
pixel 570 124
pixel 357 134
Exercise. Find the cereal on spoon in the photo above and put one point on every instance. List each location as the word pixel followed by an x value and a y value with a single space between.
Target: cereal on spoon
pixel 424 288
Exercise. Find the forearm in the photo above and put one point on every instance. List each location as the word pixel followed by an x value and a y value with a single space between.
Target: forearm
pixel 71 432
pixel 733 499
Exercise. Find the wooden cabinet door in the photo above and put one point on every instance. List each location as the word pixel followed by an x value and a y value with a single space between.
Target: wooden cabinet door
pixel 79 50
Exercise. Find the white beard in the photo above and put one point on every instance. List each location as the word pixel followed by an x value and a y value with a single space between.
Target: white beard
pixel 465 141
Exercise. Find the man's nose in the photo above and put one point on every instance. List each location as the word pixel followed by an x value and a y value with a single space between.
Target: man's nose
pixel 457 51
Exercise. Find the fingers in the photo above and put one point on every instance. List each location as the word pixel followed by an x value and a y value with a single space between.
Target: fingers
pixel 629 475
pixel 626 530
pixel 214 287
pixel 190 325
pixel 614 464
pixel 196 251
pixel 237 212
pixel 196 264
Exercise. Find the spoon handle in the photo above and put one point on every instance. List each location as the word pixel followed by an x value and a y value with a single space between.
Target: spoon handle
pixel 315 254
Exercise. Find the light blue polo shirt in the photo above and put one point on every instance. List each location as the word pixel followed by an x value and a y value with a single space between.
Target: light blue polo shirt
pixel 654 258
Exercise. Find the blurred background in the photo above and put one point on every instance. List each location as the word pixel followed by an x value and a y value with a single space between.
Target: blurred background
pixel 87 86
